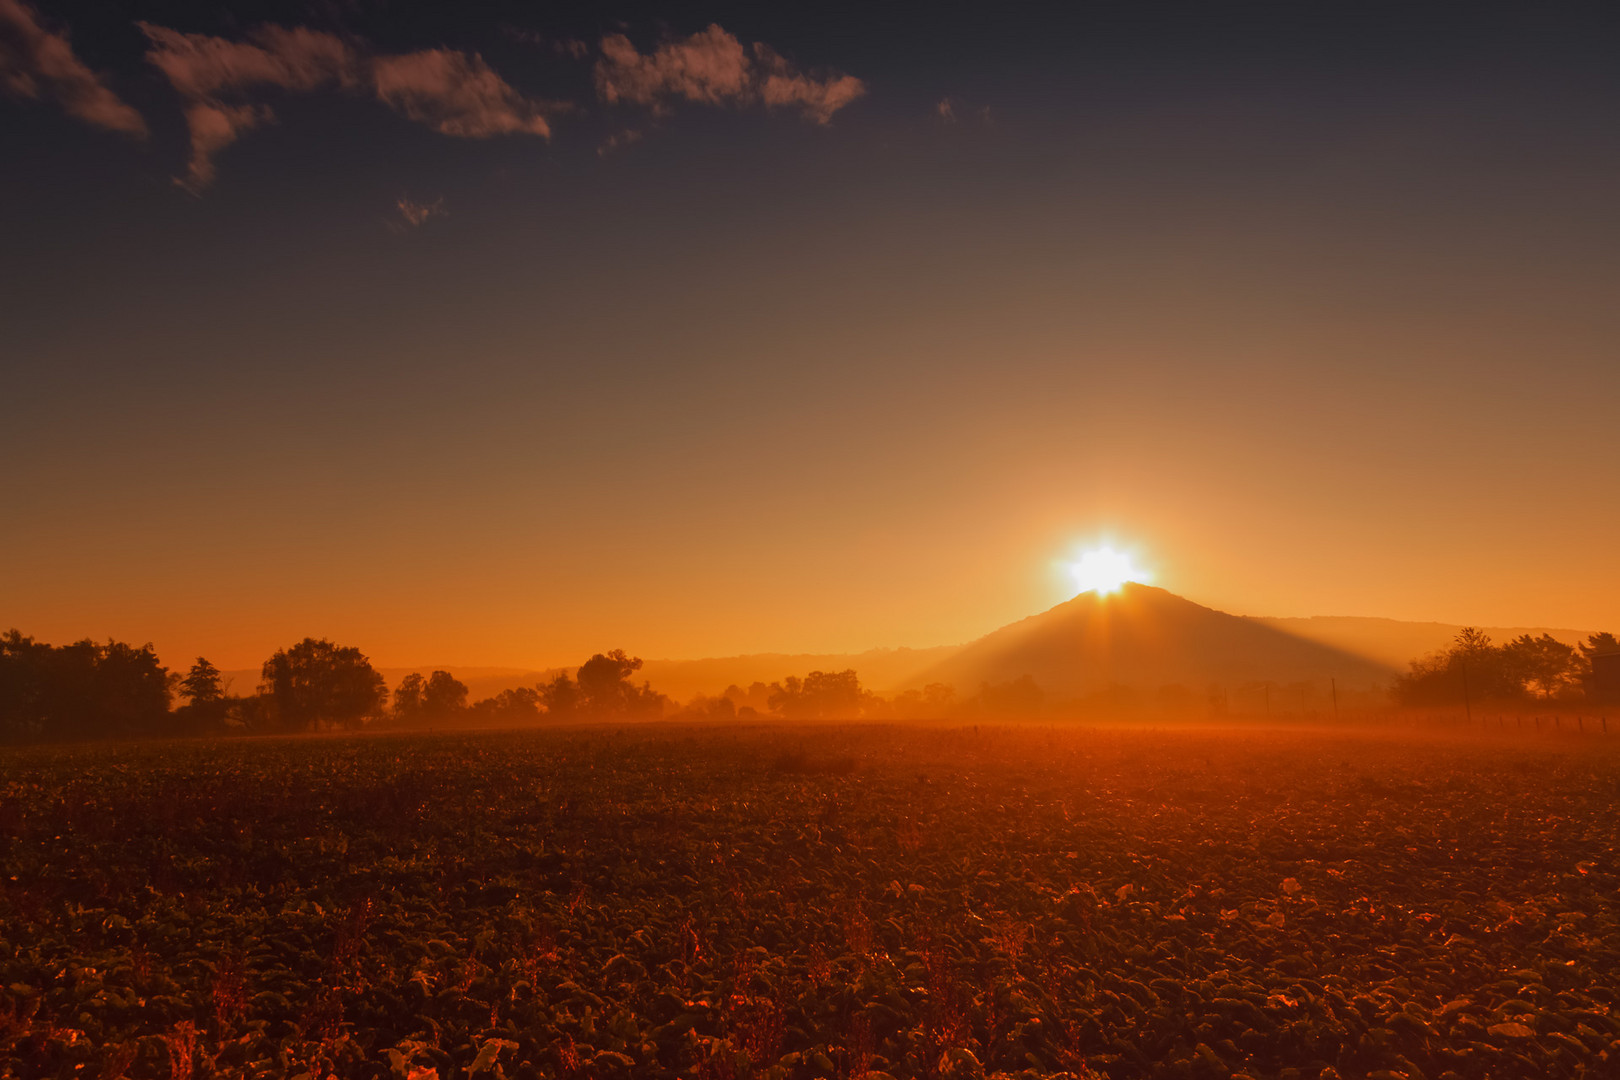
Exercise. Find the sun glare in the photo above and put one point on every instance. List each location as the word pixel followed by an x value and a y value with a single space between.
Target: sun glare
pixel 1104 570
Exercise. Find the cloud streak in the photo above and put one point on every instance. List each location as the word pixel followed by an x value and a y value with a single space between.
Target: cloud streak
pixel 713 67
pixel 36 63
pixel 415 213
pixel 222 82
pixel 457 94
pixel 452 92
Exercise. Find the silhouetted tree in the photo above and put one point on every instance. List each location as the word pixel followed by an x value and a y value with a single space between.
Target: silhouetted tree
pixel 1472 643
pixel 202 684
pixel 437 698
pixel 605 688
pixel 206 704
pixel 22 687
pixel 253 713
pixel 520 705
pixel 932 702
pixel 705 708
pixel 818 694
pixel 316 683
pixel 1543 667
pixel 82 690
pixel 1600 669
pixel 560 696
pixel 408 698
pixel 1604 642
pixel 444 696
pixel 1474 668
pixel 604 678
pixel 757 697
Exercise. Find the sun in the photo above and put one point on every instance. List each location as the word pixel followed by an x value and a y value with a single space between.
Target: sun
pixel 1104 570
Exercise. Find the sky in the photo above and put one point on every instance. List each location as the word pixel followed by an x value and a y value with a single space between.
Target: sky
pixel 504 333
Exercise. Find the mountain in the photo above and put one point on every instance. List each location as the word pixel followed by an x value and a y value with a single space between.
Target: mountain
pixel 1393 642
pixel 1146 638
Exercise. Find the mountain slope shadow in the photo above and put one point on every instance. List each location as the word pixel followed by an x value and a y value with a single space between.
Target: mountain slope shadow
pixel 1146 637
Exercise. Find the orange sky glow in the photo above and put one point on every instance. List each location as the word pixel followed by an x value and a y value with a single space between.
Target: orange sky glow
pixel 860 366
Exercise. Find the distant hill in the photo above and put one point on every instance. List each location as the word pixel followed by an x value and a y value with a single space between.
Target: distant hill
pixel 1396 643
pixel 1147 638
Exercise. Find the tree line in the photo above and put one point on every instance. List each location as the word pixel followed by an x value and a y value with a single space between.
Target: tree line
pixel 87 690
pixel 80 691
pixel 1523 669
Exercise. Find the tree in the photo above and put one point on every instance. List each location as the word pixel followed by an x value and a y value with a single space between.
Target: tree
pixel 819 694
pixel 1598 681
pixel 933 702
pixel 605 688
pixel 517 706
pixel 28 708
pixel 131 688
pixel 254 713
pixel 604 679
pixel 1471 643
pixel 1474 669
pixel 757 697
pixel 1604 643
pixel 202 684
pixel 560 696
pixel 206 703
pixel 82 690
pixel 316 683
pixel 1544 667
pixel 444 696
pixel 408 698
pixel 705 708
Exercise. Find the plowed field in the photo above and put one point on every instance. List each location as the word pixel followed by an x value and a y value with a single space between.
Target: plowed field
pixel 813 902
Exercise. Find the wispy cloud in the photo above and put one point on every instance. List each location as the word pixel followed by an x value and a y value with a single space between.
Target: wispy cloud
pixel 562 46
pixel 454 93
pixel 222 82
pixel 713 67
pixel 785 86
pixel 35 63
pixel 415 213
pixel 949 110
pixel 618 141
